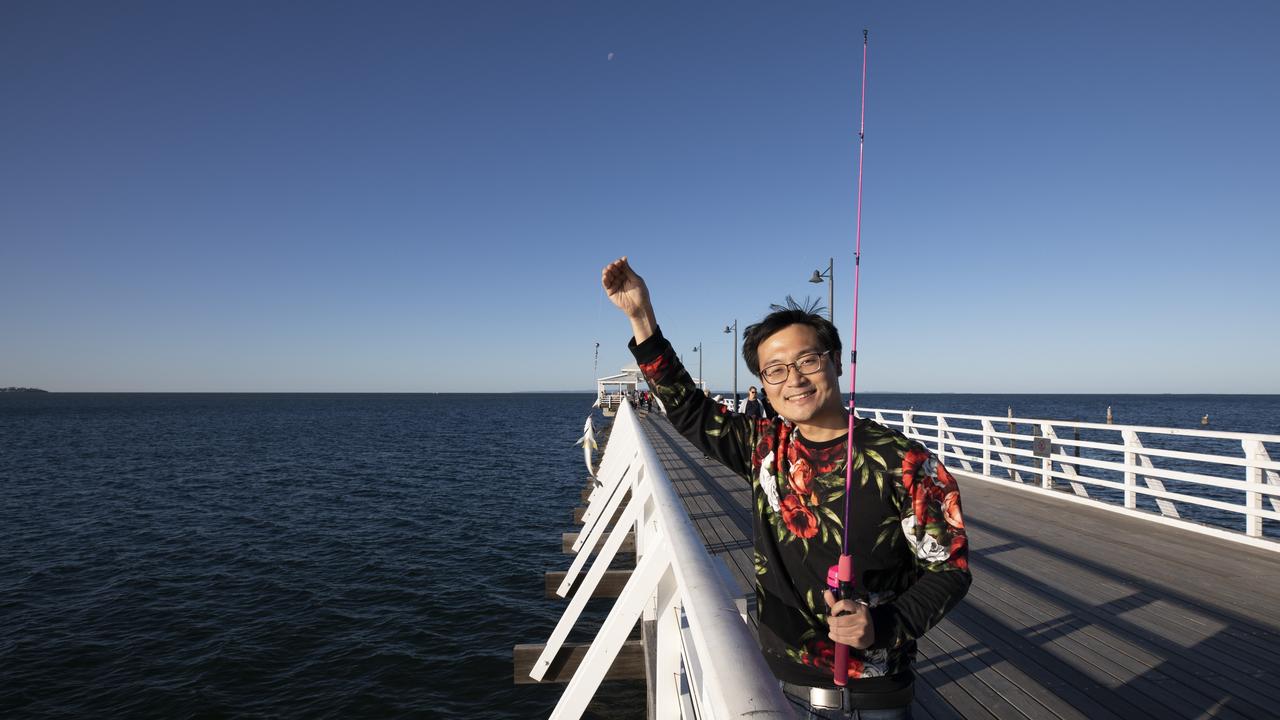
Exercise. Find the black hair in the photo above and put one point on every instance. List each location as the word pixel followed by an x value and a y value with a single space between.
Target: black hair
pixel 781 317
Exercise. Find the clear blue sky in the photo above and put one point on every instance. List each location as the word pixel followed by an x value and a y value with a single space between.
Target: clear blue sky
pixel 419 196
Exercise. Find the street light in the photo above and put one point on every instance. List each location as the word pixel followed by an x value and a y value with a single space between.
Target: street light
pixel 831 288
pixel 699 351
pixel 734 331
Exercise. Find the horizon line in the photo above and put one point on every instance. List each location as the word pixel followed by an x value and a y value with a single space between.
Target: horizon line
pixel 37 391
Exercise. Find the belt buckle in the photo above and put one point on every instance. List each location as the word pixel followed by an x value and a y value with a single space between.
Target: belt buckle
pixel 826 698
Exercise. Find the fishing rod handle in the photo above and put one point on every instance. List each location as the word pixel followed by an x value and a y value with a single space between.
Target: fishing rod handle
pixel 844 591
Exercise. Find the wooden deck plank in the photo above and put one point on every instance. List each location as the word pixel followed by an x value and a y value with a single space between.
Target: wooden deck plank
pixel 1053 683
pixel 929 704
pixel 1158 612
pixel 984 666
pixel 1075 612
pixel 966 677
pixel 1243 581
pixel 1060 698
pixel 942 683
pixel 1165 658
pixel 1149 690
pixel 1214 653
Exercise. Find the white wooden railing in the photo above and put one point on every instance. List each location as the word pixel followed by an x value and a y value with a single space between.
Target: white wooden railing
pixel 1219 483
pixel 708 665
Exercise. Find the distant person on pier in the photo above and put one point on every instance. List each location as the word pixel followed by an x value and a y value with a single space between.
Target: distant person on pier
pixel 753 408
pixel 906 534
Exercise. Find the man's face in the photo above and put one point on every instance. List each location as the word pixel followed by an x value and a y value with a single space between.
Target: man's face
pixel 751 394
pixel 800 398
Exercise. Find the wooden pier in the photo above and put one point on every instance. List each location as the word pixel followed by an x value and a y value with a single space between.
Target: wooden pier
pixel 1074 612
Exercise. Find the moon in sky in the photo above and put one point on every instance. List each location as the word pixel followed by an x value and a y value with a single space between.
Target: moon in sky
pixel 610 56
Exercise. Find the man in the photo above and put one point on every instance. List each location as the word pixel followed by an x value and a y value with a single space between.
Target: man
pixel 906 532
pixel 753 408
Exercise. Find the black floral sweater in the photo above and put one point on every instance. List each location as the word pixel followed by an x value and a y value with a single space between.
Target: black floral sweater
pixel 907 536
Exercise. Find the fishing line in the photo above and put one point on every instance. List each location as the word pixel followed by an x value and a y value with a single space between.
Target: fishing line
pixel 844 570
pixel 595 366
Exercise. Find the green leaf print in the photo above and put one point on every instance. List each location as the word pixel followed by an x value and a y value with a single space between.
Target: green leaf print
pixel 887 534
pixel 883 439
pixel 831 480
pixel 877 458
pixel 716 429
pixel 832 517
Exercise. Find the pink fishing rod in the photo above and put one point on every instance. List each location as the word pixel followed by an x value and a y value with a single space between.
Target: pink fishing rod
pixel 844 570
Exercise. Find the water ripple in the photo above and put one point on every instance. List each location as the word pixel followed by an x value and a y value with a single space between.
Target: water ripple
pixel 329 556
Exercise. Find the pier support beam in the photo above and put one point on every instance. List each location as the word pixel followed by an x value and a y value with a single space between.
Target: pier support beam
pixel 610 586
pixel 629 665
pixel 568 539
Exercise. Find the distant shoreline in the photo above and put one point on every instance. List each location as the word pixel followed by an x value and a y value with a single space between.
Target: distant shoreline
pixel 21 390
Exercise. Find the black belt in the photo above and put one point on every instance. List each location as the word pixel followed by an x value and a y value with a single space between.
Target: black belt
pixel 846 699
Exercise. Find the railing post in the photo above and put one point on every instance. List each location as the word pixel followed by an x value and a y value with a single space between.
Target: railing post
pixel 906 423
pixel 1131 442
pixel 667 650
pixel 654 606
pixel 1254 451
pixel 942 448
pixel 1046 464
pixel 987 430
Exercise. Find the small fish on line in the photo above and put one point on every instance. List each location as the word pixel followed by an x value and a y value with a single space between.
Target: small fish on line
pixel 588 443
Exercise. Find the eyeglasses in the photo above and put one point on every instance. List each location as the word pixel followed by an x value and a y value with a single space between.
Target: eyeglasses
pixel 805 365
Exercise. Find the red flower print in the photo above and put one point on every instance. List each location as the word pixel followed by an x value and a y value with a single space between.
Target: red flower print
pixel 951 508
pixel 822 654
pixel 826 459
pixel 763 448
pixel 855 666
pixel 959 551
pixel 912 460
pixel 944 477
pixel 799 519
pixel 654 367
pixel 800 477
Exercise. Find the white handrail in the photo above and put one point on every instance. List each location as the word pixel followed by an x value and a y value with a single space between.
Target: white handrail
pixel 707 662
pixel 1228 488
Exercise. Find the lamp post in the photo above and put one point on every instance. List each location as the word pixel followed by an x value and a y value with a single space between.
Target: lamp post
pixel 699 351
pixel 831 288
pixel 734 331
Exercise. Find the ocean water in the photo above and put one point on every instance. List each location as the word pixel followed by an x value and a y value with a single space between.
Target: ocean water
pixel 324 555
pixel 281 555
